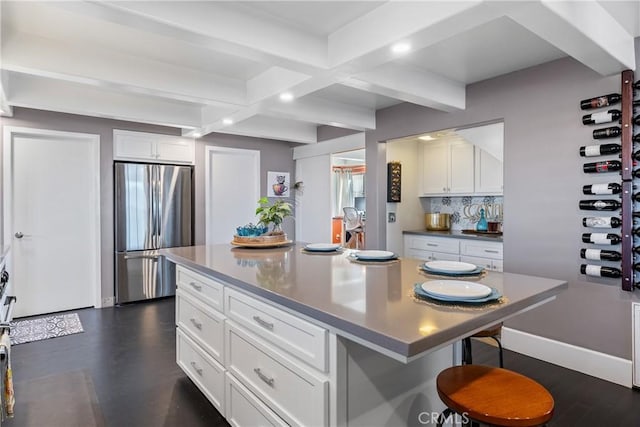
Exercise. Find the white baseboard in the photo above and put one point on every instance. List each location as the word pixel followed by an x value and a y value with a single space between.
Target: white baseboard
pixel 596 364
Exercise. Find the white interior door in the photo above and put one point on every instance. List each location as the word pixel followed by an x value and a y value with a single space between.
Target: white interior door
pixel 232 191
pixel 313 206
pixel 52 219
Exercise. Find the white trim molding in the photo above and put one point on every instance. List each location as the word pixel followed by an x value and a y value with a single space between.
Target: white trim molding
pixel 600 365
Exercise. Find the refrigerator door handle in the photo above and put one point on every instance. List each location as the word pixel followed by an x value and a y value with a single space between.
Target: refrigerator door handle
pixel 153 257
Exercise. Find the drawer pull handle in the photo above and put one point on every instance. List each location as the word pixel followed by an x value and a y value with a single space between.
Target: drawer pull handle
pixel 263 377
pixel 432 244
pixel 196 323
pixel 195 367
pixel 195 286
pixel 490 251
pixel 263 323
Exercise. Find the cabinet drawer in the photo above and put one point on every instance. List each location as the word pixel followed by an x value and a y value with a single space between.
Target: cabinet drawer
pixel 482 249
pixel 434 244
pixel 202 288
pixel 480 262
pixel 206 373
pixel 430 256
pixel 292 391
pixel 203 324
pixel 302 339
pixel 244 409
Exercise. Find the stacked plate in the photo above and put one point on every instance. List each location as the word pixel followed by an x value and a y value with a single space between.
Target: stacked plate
pixel 323 247
pixel 452 268
pixel 457 291
pixel 374 256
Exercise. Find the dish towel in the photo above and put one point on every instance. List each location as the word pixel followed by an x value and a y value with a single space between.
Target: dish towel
pixel 8 398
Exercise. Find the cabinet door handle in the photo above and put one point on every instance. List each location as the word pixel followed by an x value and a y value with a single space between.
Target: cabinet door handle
pixel 195 286
pixel 444 188
pixel 491 251
pixel 196 323
pixel 263 323
pixel 263 377
pixel 195 367
pixel 432 245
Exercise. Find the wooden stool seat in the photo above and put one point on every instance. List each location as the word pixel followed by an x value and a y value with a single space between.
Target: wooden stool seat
pixel 495 396
pixel 491 331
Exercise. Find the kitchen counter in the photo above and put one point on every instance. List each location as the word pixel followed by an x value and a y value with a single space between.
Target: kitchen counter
pixel 371 304
pixel 456 234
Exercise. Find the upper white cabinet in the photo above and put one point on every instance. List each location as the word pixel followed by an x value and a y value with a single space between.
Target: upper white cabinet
pixel 447 168
pixel 488 173
pixel 150 147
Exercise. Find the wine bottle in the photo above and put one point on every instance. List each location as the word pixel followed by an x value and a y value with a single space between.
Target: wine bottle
pixel 636 138
pixel 603 166
pixel 636 120
pixel 610 188
pixel 600 150
pixel 602 221
pixel 600 271
pixel 600 205
pixel 601 117
pixel 600 101
pixel 601 238
pixel 610 132
pixel 600 255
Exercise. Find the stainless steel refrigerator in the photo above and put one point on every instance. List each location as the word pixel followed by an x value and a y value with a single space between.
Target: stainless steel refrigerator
pixel 153 210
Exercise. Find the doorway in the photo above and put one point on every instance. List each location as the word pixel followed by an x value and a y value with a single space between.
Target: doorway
pixel 348 191
pixel 51 186
pixel 232 190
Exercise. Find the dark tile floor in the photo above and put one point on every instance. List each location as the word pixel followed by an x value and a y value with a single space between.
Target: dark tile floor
pixel 121 372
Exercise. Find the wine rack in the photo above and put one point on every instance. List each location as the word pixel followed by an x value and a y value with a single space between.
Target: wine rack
pixel 625 189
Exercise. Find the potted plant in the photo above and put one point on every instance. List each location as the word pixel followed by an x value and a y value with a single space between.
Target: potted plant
pixel 273 214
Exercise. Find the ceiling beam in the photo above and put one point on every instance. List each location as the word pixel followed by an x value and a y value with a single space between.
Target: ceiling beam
pixel 412 85
pixel 583 30
pixel 48 58
pixel 272 82
pixel 323 111
pixel 5 108
pixel 269 128
pixel 26 91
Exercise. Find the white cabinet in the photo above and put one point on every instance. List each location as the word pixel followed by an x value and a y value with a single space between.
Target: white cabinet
pixel 479 252
pixel 447 168
pixel 257 363
pixel 149 147
pixel 488 173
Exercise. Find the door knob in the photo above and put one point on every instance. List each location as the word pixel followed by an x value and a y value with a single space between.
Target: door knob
pixel 19 235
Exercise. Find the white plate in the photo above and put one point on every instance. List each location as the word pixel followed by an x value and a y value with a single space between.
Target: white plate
pixel 456 289
pixel 450 266
pixel 322 247
pixel 374 255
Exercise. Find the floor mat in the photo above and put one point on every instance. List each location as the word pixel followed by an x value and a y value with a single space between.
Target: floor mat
pixel 43 328
pixel 62 400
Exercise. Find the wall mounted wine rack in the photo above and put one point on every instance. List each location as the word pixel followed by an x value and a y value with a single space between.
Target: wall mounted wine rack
pixel 625 189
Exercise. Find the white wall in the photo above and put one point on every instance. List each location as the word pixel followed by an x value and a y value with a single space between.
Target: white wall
pixel 409 212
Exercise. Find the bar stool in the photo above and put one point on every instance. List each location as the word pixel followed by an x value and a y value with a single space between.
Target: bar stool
pixel 354 226
pixel 492 332
pixel 494 396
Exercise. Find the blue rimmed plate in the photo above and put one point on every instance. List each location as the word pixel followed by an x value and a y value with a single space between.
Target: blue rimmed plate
pixel 322 247
pixel 494 295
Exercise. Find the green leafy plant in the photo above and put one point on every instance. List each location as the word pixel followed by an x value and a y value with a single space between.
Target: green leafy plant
pixel 273 213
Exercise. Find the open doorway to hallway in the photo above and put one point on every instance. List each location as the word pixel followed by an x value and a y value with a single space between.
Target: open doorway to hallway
pixel 348 198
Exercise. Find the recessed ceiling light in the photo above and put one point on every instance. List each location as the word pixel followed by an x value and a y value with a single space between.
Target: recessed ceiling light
pixel 401 47
pixel 426 138
pixel 197 134
pixel 227 121
pixel 286 96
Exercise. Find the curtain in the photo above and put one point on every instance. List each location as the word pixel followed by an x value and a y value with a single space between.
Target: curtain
pixel 344 190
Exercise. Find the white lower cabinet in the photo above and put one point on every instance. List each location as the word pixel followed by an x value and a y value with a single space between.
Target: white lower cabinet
pixel 290 389
pixel 204 371
pixel 479 252
pixel 243 408
pixel 258 364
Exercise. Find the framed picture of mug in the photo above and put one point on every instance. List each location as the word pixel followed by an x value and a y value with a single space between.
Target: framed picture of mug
pixel 277 184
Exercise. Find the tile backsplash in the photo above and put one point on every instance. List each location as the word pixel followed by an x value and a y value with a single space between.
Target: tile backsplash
pixel 465 210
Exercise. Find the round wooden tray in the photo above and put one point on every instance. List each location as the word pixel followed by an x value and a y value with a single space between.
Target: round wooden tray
pixel 261 244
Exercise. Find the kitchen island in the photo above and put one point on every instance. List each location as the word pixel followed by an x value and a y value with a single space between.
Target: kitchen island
pixel 321 340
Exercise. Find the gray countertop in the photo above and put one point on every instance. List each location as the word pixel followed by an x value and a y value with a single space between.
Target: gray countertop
pixel 370 302
pixel 457 234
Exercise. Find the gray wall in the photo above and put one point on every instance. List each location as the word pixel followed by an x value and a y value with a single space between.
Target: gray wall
pixel 324 133
pixel 543 180
pixel 275 155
